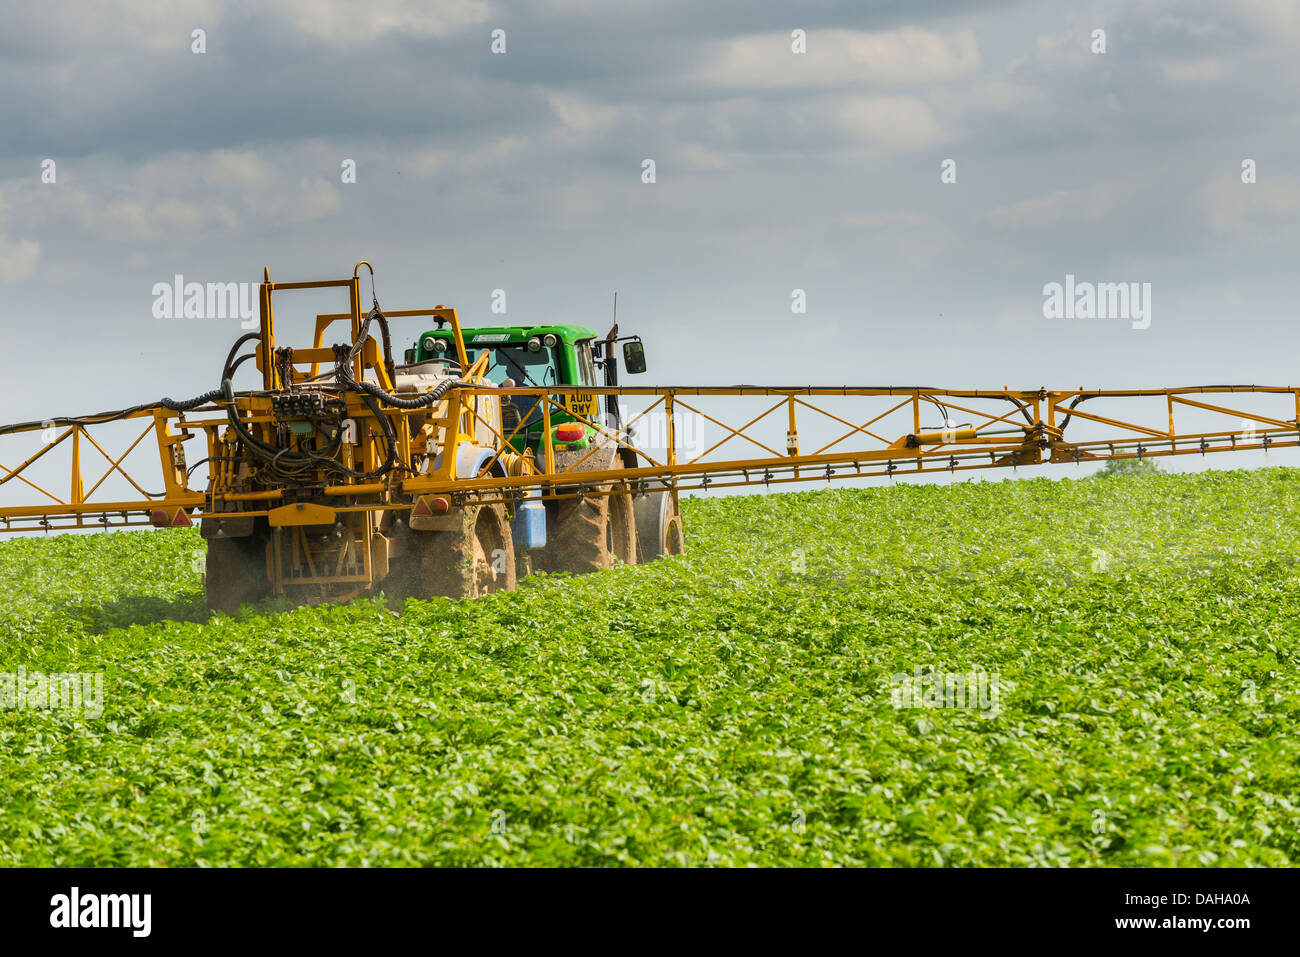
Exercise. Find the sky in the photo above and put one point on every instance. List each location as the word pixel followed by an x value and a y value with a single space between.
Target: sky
pixel 921 171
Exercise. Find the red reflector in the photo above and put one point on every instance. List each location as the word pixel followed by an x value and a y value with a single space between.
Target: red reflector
pixel 430 505
pixel 570 432
pixel 159 518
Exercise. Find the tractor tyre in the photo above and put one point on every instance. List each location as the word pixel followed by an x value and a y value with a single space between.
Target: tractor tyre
pixel 472 560
pixel 589 534
pixel 580 537
pixel 622 523
pixel 235 572
pixel 658 526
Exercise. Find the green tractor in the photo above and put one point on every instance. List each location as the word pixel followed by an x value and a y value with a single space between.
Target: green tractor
pixel 578 534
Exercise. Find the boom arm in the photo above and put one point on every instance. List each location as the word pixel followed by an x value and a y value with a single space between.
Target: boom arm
pixel 828 433
pixel 371 437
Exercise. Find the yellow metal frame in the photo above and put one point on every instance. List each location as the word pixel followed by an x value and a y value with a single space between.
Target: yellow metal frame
pixel 1003 428
pixel 858 452
pixel 977 446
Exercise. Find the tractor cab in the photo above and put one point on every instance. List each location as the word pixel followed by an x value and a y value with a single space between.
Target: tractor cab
pixel 539 357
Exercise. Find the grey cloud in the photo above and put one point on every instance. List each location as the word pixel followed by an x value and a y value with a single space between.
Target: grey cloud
pixel 523 172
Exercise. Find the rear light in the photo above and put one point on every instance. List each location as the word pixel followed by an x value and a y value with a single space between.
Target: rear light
pixel 160 519
pixel 431 505
pixel 570 432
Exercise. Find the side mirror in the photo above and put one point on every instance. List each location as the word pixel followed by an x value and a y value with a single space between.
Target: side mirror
pixel 633 357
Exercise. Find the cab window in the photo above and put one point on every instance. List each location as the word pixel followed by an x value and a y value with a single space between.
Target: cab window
pixel 586 368
pixel 526 368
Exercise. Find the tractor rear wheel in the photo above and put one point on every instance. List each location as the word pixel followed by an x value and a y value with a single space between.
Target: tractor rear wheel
pixel 235 572
pixel 622 523
pixel 579 538
pixel 658 525
pixel 472 560
pixel 587 534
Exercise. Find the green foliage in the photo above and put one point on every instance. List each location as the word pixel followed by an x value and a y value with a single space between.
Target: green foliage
pixel 1128 467
pixel 731 706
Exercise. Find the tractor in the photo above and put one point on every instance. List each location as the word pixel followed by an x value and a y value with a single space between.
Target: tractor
pixel 494 452
pixel 336 452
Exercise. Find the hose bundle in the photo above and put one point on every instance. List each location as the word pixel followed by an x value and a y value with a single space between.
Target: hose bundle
pixel 287 464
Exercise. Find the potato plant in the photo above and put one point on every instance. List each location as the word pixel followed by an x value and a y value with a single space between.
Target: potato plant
pixel 737 705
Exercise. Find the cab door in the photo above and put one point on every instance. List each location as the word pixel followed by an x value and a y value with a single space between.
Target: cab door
pixel 584 403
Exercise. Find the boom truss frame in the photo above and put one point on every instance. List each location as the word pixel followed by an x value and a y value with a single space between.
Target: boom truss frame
pixel 883 435
pixel 1033 431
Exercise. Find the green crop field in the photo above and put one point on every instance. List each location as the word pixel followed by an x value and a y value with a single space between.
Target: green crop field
pixel 1137 636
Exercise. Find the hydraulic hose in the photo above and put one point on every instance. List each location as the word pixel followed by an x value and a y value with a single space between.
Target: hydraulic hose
pixel 425 399
pixel 346 376
pixel 166 402
pixel 282 461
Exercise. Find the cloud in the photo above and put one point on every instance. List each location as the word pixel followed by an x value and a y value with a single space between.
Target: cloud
pixel 1065 48
pixel 181 195
pixel 167 27
pixel 464 164
pixel 1279 18
pixel 313 198
pixel 244 169
pixel 343 23
pixel 18 259
pixel 694 156
pixel 1061 207
pixel 837 58
pixel 579 114
pixel 889 122
pixel 776 170
pixel 108 25
pixel 1203 70
pixel 146 219
pixel 1233 206
pixel 887 219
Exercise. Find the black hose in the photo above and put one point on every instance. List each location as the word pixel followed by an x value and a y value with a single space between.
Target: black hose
pixel 188 404
pixel 230 357
pixel 305 460
pixel 376 315
pixel 345 371
pixel 1066 420
pixel 64 420
pixel 227 371
pixel 425 399
pixel 285 461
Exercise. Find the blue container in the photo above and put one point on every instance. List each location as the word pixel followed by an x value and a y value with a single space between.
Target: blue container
pixel 529 524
